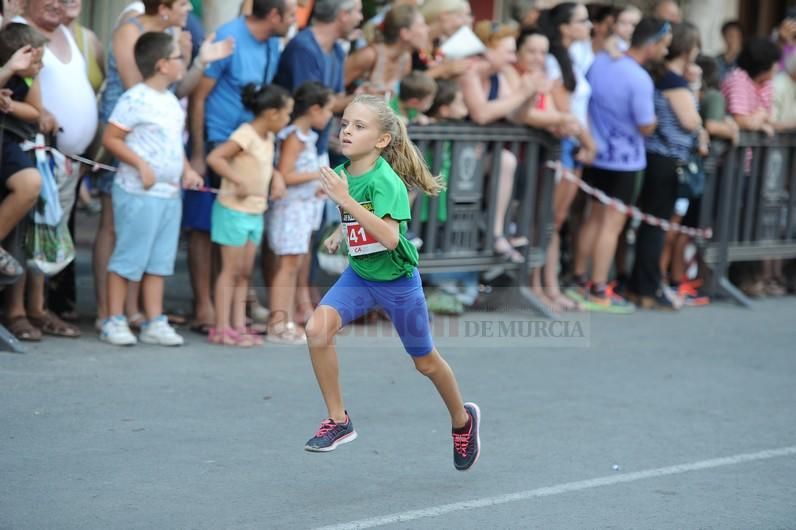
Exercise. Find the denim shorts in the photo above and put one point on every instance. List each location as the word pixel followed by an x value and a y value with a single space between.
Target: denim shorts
pixel 569 147
pixel 147 234
pixel 232 228
pixel 198 205
pixel 403 300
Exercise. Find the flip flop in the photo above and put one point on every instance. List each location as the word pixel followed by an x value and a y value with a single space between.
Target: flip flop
pixel 176 318
pixel 200 328
pixel 503 248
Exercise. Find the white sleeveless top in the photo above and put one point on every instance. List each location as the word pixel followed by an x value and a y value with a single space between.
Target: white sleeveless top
pixel 66 92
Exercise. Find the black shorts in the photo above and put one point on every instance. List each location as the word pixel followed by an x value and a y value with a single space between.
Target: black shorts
pixel 14 160
pixel 617 184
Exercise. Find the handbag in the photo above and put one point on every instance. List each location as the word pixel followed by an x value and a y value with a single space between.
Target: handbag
pixel 48 245
pixel 693 176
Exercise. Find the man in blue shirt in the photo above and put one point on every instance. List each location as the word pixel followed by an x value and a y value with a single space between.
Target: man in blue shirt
pixel 621 114
pixel 216 111
pixel 315 55
pixel 216 106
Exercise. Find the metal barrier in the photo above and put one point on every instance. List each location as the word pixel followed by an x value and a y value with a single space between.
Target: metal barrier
pixel 749 201
pixel 463 240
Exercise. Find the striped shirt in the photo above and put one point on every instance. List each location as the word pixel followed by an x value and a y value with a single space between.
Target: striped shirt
pixel 744 96
pixel 670 139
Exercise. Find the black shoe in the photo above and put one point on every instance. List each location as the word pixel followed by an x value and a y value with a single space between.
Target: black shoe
pixel 330 435
pixel 659 302
pixel 467 445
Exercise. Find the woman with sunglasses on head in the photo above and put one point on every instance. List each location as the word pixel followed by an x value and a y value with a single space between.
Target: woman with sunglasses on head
pixel 568 28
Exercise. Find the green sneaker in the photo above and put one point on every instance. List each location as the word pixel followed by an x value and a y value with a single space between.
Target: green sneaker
pixel 609 302
pixel 578 293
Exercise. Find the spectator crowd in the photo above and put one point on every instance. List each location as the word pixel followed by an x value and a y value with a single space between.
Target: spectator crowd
pixel 218 139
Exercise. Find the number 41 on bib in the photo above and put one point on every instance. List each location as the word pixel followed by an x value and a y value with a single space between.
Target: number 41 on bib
pixel 360 243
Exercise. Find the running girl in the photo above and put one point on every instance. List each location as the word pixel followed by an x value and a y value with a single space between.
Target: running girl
pixel 371 191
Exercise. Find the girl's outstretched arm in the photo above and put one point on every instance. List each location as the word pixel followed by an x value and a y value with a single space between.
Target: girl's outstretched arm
pixel 385 230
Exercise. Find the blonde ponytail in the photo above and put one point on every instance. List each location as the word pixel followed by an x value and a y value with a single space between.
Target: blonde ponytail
pixel 403 156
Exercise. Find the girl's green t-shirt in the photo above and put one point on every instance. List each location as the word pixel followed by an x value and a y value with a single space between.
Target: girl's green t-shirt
pixel 382 192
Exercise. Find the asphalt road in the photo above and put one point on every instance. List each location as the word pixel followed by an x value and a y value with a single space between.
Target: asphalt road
pixel 641 421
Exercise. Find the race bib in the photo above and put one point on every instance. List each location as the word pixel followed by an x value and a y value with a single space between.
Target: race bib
pixel 360 243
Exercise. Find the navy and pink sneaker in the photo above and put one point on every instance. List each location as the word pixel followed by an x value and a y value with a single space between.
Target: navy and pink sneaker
pixel 467 441
pixel 330 435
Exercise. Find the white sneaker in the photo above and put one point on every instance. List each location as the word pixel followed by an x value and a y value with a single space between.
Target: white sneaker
pixel 672 295
pixel 116 331
pixel 158 331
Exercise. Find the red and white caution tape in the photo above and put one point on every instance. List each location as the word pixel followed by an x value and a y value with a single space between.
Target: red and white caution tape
pixel 631 211
pixel 97 165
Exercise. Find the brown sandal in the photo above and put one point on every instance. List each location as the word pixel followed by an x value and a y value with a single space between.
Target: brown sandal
pixel 52 325
pixel 22 329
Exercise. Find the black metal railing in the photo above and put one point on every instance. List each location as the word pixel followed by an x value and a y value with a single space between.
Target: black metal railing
pixel 750 204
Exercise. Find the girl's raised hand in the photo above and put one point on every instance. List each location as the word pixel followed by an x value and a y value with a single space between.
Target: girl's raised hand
pixel 335 186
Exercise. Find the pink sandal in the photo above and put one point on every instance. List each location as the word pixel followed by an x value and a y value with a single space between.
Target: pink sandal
pixel 230 337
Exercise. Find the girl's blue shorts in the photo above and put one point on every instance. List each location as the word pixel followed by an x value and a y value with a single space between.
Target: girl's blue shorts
pixel 402 299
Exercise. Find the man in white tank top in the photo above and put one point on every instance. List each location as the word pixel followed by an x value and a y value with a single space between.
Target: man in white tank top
pixel 66 90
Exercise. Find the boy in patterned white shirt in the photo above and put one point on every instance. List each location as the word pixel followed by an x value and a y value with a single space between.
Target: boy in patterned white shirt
pixel 145 133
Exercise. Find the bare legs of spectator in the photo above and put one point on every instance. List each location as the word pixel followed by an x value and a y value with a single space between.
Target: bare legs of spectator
pixel 151 288
pixel 115 292
pixel 669 255
pixel 152 291
pixel 537 288
pixel 23 191
pixel 620 258
pixel 268 259
pixel 304 303
pixel 37 311
pixel 254 308
pixel 132 305
pixel 282 294
pixel 587 235
pixel 16 316
pixel 773 277
pixel 678 272
pixel 103 248
pixel 563 196
pixel 611 226
pixel 597 240
pixel 232 286
pixel 505 188
pixel 200 266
